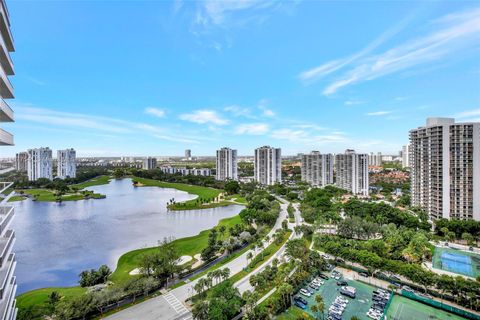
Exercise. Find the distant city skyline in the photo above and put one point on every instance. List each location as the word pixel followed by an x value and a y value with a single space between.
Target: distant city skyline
pixel 301 76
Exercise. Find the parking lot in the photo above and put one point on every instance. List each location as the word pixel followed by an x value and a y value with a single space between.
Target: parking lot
pixel 354 307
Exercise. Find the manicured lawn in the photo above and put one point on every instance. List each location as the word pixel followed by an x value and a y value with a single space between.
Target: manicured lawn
pixel 201 192
pixel 294 313
pixel 38 298
pixel 185 246
pixel 16 198
pixel 49 195
pixel 93 182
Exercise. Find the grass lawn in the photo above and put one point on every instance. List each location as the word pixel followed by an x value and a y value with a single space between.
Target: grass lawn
pixel 16 198
pixel 201 192
pixel 294 313
pixel 49 195
pixel 93 182
pixel 38 298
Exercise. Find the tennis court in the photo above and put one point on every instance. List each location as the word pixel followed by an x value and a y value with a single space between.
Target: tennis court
pixel 456 261
pixel 403 308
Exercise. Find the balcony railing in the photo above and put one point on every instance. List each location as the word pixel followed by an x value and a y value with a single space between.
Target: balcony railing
pixel 6 215
pixel 6 138
pixel 5 58
pixel 6 113
pixel 6 245
pixel 6 88
pixel 5 27
pixel 6 273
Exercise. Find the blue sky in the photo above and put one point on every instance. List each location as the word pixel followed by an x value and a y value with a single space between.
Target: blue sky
pixel 113 78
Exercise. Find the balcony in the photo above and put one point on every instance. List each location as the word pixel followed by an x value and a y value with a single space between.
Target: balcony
pixel 8 305
pixel 5 59
pixel 6 113
pixel 6 88
pixel 6 274
pixel 5 185
pixel 6 244
pixel 6 215
pixel 5 27
pixel 6 138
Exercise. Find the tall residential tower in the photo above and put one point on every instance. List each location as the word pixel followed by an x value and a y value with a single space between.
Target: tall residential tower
pixel 317 168
pixel 352 172
pixel 39 164
pixel 66 163
pixel 226 164
pixel 8 283
pixel 445 168
pixel 268 165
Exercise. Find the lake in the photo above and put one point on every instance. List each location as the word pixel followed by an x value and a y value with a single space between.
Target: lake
pixel 56 241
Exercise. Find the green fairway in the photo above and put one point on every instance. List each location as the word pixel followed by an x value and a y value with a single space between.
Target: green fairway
pixel 93 182
pixel 404 308
pixel 50 195
pixel 201 192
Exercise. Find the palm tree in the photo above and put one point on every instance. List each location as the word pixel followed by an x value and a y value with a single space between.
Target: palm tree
pixel 225 273
pixel 320 304
pixel 249 256
pixel 200 310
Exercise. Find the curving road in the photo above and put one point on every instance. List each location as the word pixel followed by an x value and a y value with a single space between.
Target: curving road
pixel 171 306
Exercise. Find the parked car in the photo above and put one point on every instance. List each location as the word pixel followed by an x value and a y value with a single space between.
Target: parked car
pixel 408 289
pixel 302 300
pixel 305 292
pixel 364 274
pixel 342 283
pixel 323 276
pixel 300 305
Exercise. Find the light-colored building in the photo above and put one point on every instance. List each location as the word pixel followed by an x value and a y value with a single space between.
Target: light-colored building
pixel 352 172
pixel 317 168
pixel 21 161
pixel 188 154
pixel 66 163
pixel 445 168
pixel 375 160
pixel 268 165
pixel 201 172
pixel 185 171
pixel 149 163
pixel 226 164
pixel 406 156
pixel 39 164
pixel 8 282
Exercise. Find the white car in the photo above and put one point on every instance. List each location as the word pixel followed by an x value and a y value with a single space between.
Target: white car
pixel 305 292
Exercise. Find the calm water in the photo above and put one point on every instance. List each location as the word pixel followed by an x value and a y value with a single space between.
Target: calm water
pixel 55 242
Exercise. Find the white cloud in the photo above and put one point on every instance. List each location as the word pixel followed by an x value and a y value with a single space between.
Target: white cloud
pixel 268 113
pixel 252 128
pixel 155 112
pixel 329 67
pixel 204 116
pixel 238 111
pixel 458 32
pixel 469 115
pixel 353 102
pixel 379 113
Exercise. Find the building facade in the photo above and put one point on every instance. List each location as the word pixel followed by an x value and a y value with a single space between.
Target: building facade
pixel 226 164
pixel 21 161
pixel 149 163
pixel 375 160
pixel 66 163
pixel 317 168
pixel 39 164
pixel 8 282
pixel 352 172
pixel 406 156
pixel 445 168
pixel 268 165
pixel 184 171
pixel 188 154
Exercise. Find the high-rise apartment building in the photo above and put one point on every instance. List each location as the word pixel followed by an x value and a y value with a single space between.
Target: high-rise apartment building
pixel 39 164
pixel 317 168
pixel 66 163
pixel 352 172
pixel 188 154
pixel 149 163
pixel 445 168
pixel 8 283
pixel 226 164
pixel 375 160
pixel 21 161
pixel 268 165
pixel 406 156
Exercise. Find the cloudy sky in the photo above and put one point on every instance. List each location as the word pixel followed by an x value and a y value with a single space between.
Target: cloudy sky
pixel 156 77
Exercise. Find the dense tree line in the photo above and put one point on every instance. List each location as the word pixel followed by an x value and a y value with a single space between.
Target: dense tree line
pixel 382 213
pixel 318 204
pixel 459 227
pixel 157 174
pixel 262 209
pixel 93 277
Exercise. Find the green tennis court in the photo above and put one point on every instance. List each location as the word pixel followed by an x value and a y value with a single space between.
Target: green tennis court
pixel 457 261
pixel 402 308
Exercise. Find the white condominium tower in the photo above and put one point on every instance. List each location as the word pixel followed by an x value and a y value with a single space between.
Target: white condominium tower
pixel 8 283
pixel 445 168
pixel 268 165
pixel 406 156
pixel 317 168
pixel 375 159
pixel 188 154
pixel 149 163
pixel 21 161
pixel 352 172
pixel 66 163
pixel 39 164
pixel 226 164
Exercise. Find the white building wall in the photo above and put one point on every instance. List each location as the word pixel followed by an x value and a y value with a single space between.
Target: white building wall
pixel 268 165
pixel 352 172
pixel 39 164
pixel 66 163
pixel 226 164
pixel 317 168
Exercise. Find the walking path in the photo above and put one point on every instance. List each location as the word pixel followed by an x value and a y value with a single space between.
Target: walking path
pixel 161 308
